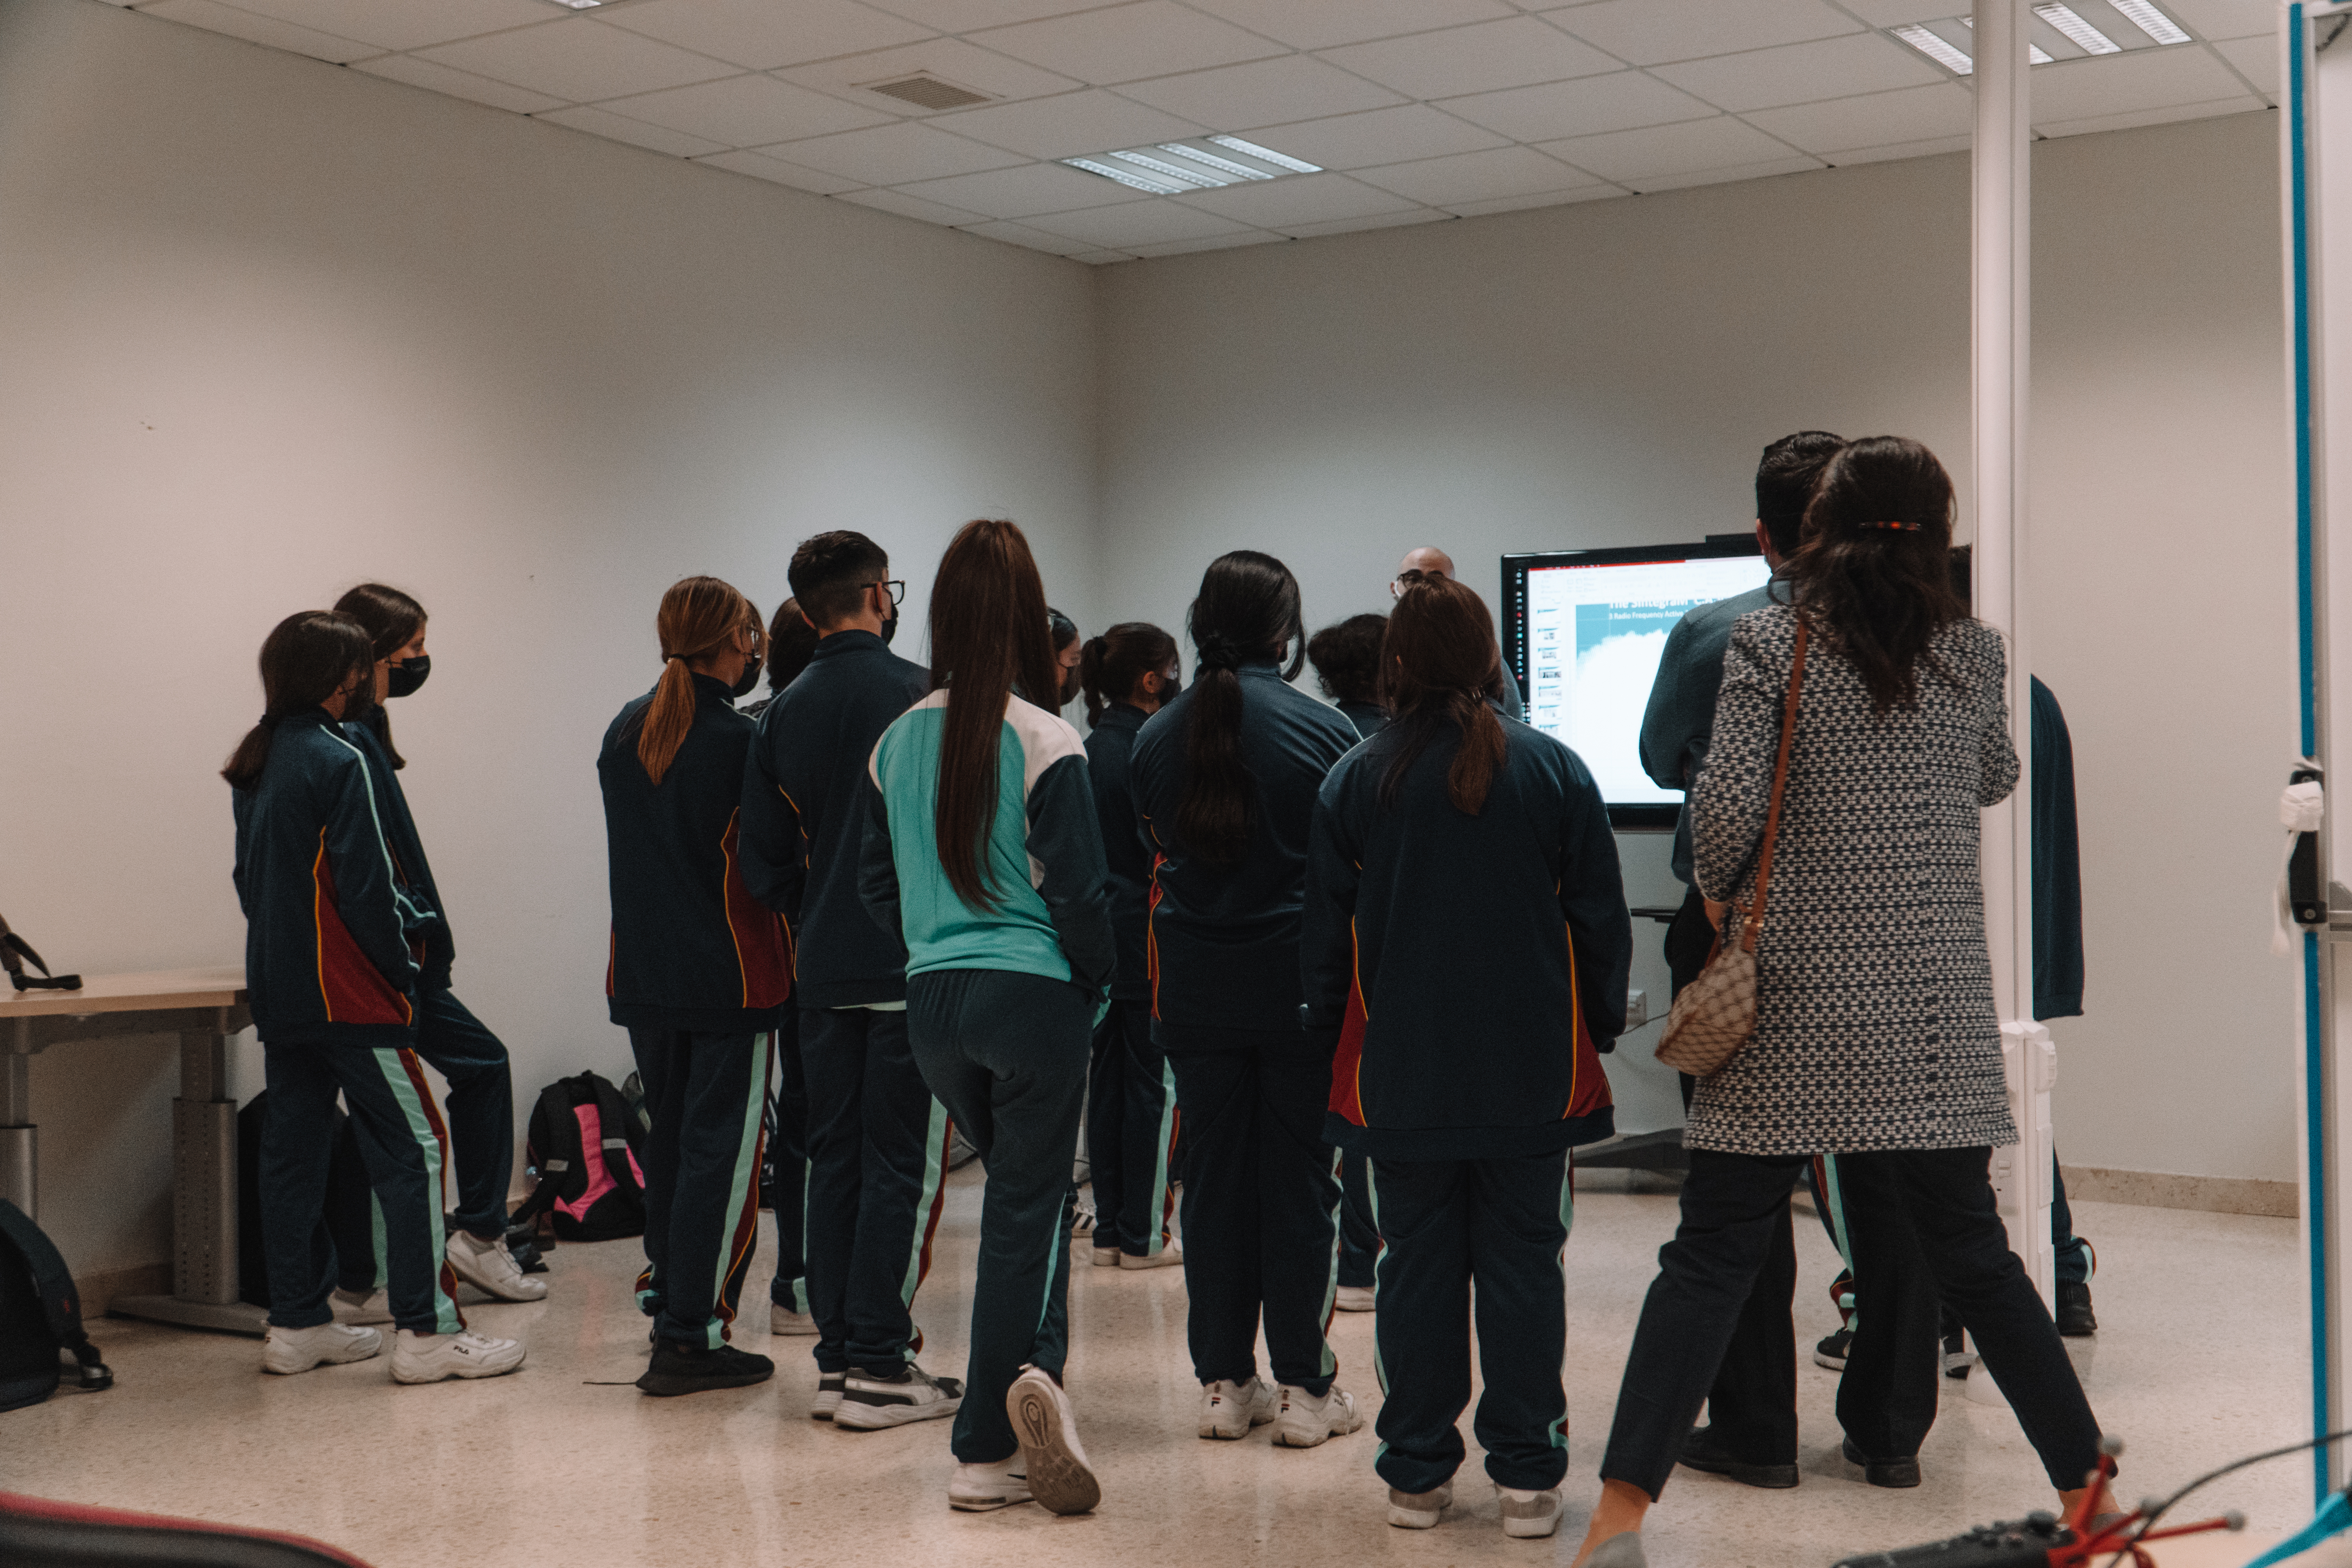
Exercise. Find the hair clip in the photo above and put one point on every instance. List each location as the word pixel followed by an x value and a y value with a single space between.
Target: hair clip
pixel 1897 527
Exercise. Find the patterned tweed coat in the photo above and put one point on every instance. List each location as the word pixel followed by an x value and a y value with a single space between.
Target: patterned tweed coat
pixel 1876 1026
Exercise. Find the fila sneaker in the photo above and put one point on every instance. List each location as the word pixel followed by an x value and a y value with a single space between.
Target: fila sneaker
pixel 429 1358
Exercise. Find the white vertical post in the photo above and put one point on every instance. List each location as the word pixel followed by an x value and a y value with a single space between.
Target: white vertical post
pixel 2001 328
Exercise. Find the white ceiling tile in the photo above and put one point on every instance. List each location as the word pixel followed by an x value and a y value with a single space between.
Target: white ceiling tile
pixel 1215 242
pixel 2257 61
pixel 1629 157
pixel 2226 18
pixel 1066 126
pixel 1263 92
pixel 1481 56
pixel 2129 83
pixel 747 111
pixel 1649 32
pixel 762 33
pixel 453 83
pixel 1477 176
pixel 1377 220
pixel 1725 177
pixel 1301 198
pixel 1930 149
pixel 1894 12
pixel 1026 190
pixel 894 154
pixel 1597 103
pixel 951 59
pixel 1127 43
pixel 635 133
pixel 1381 136
pixel 776 172
pixel 1020 234
pixel 579 59
pixel 2131 119
pixel 967 15
pixel 215 18
pixel 408 24
pixel 1548 199
pixel 1874 120
pixel 1799 73
pixel 1139 223
pixel 910 206
pixel 1322 24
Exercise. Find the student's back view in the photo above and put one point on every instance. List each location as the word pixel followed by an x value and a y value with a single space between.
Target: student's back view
pixel 1225 777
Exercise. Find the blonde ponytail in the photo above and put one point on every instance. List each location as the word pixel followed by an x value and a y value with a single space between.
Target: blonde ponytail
pixel 697 616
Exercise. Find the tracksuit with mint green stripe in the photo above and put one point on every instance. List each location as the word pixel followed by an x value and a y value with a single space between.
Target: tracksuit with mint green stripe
pixel 999 1005
pixel 878 1140
pixel 328 961
pixel 1473 968
pixel 699 975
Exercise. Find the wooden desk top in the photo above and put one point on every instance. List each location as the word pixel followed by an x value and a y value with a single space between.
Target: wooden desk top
pixel 150 993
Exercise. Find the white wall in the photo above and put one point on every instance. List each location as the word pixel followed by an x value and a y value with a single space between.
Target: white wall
pixel 270 328
pixel 1607 374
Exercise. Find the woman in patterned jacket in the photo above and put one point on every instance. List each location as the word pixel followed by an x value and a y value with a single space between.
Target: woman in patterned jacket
pixel 1876 1037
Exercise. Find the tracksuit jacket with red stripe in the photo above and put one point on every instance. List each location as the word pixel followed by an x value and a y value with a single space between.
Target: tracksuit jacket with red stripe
pixel 1474 966
pixel 328 930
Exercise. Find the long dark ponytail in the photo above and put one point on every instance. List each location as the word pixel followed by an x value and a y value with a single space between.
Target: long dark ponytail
pixel 392 620
pixel 1874 573
pixel 1438 664
pixel 989 638
pixel 1248 609
pixel 305 660
pixel 1110 665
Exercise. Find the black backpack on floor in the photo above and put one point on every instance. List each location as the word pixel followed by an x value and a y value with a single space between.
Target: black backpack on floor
pixel 40 1315
pixel 585 1146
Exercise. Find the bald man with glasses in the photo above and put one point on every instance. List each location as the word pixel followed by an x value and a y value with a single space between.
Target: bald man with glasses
pixel 1429 561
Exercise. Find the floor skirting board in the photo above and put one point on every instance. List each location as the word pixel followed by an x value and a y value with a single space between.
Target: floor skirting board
pixel 2164 1190
pixel 100 1287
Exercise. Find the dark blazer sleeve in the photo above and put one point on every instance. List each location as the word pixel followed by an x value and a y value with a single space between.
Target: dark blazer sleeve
pixel 1592 899
pixel 877 869
pixel 367 895
pixel 1327 949
pixel 2057 864
pixel 771 839
pixel 1065 844
pixel 1668 734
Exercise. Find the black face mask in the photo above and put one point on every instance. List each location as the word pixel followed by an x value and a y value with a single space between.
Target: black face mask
pixel 408 675
pixel 751 680
pixel 890 630
pixel 1169 687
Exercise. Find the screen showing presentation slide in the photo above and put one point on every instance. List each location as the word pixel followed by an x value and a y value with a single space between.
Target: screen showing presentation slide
pixel 1589 626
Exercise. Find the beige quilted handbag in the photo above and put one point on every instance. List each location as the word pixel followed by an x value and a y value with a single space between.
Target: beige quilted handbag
pixel 1716 1013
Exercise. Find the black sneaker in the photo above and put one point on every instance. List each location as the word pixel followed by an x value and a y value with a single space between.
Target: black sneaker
pixel 678 1369
pixel 1904 1472
pixel 871 1401
pixel 2076 1319
pixel 1702 1452
pixel 1833 1350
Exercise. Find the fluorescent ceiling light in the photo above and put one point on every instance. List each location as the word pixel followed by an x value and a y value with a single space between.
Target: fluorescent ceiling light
pixel 1223 165
pixel 579 4
pixel 1948 55
pixel 1161 169
pixel 2151 21
pixel 1170 168
pixel 1134 178
pixel 1279 160
pixel 2079 33
pixel 2035 55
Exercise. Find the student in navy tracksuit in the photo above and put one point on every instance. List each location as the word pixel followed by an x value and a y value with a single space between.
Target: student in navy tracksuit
pixel 1347 660
pixel 328 963
pixel 1225 777
pixel 699 975
pixel 876 1138
pixel 450 1039
pixel 1466 934
pixel 1128 674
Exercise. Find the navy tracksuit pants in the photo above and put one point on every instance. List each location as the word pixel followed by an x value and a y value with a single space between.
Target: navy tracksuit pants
pixel 1130 1132
pixel 704 1093
pixel 876 1155
pixel 1006 1053
pixel 402 1145
pixel 787 1155
pixel 1451 1225
pixel 1261 1206
pixel 480 1107
pixel 1360 1238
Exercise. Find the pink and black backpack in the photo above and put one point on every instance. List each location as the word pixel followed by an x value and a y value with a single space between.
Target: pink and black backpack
pixel 584 1145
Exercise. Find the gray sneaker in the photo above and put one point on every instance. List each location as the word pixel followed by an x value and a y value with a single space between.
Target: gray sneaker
pixel 1622 1550
pixel 1419 1510
pixel 1533 1515
pixel 870 1401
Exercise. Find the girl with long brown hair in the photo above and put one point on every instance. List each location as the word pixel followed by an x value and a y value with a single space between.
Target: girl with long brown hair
pixel 1454 847
pixel 984 852
pixel 699 975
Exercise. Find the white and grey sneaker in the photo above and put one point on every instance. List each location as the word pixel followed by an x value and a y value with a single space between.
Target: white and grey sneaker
pixel 829 1387
pixel 1353 1299
pixel 489 1267
pixel 1106 1253
pixel 978 1488
pixel 290 1350
pixel 1529 1515
pixel 1306 1421
pixel 1052 1459
pixel 870 1402
pixel 360 1307
pixel 783 1320
pixel 430 1358
pixel 1229 1409
pixel 1420 1511
pixel 1169 1256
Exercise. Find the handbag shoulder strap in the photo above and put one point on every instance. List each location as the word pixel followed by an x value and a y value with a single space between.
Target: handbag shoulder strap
pixel 1779 787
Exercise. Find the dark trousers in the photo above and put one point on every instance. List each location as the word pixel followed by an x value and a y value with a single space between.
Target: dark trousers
pixel 1732 1204
pixel 704 1093
pixel 480 1107
pixel 1261 1208
pixel 1752 1405
pixel 1130 1132
pixel 1499 1226
pixel 402 1146
pixel 788 1157
pixel 878 1147
pixel 1006 1053
pixel 1359 1234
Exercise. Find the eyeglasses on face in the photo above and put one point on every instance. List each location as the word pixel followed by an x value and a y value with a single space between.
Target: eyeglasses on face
pixel 897 590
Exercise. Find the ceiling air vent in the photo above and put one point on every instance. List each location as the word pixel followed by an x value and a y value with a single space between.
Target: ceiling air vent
pixel 927 93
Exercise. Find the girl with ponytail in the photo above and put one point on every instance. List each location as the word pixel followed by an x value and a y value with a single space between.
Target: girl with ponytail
pixel 1224 778
pixel 984 852
pixel 699 975
pixel 1467 941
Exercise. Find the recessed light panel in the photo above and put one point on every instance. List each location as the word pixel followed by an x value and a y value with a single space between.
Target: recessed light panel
pixel 579 4
pixel 2144 16
pixel 2079 33
pixel 1949 55
pixel 1171 168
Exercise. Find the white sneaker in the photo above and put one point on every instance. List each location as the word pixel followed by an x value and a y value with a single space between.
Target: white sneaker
pixel 290 1350
pixel 1229 1409
pixel 1106 1257
pixel 429 1358
pixel 1169 1256
pixel 977 1489
pixel 1353 1299
pixel 869 1403
pixel 1082 1216
pixel 829 1387
pixel 1052 1459
pixel 1306 1421
pixel 360 1307
pixel 487 1266
pixel 1419 1510
pixel 783 1320
pixel 1529 1516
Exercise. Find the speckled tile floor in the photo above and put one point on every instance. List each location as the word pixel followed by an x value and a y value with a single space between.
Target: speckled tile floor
pixel 2201 1359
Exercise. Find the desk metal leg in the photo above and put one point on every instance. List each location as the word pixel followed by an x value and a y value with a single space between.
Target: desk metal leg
pixel 19 1139
pixel 204 1200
